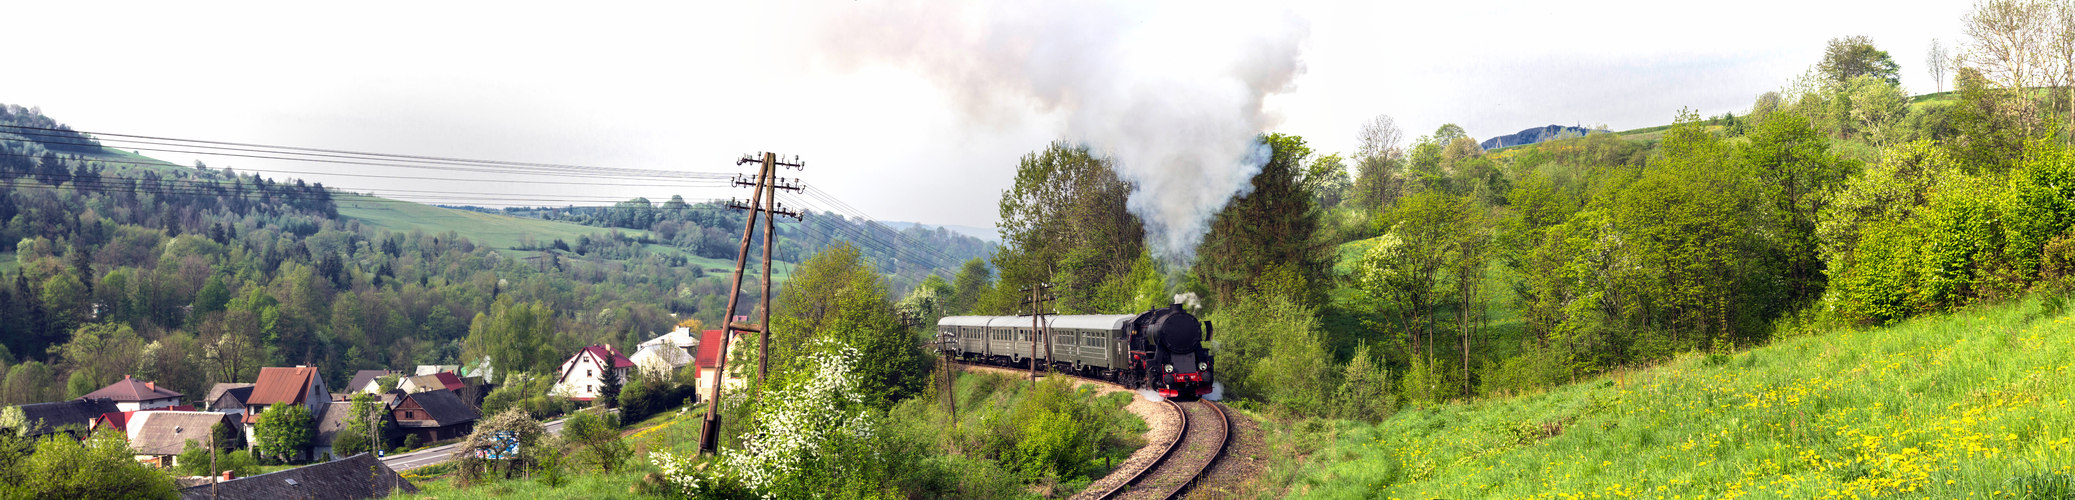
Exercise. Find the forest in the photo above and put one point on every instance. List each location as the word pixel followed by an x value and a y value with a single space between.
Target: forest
pixel 193 276
pixel 1431 270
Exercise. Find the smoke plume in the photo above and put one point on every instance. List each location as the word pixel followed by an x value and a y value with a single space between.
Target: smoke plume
pixel 1173 92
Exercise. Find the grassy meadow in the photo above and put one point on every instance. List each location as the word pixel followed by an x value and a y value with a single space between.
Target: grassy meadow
pixel 1974 404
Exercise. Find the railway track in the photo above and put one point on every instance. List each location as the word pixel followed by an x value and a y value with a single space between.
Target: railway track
pixel 1203 434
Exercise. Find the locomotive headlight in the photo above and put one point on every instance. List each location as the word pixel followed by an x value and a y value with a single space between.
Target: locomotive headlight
pixel 1202 366
pixel 1170 368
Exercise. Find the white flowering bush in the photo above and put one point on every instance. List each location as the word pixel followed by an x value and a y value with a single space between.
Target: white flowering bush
pixel 812 435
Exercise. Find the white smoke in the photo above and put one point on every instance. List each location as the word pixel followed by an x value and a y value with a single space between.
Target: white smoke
pixel 1172 91
pixel 1217 392
pixel 1151 395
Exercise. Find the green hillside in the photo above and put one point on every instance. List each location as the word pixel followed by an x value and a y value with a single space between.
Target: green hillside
pixel 484 229
pixel 1970 405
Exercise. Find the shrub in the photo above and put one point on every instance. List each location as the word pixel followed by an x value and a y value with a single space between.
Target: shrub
pixel 596 441
pixel 410 442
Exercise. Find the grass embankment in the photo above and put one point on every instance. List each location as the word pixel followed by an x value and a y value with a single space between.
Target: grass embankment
pixel 1971 405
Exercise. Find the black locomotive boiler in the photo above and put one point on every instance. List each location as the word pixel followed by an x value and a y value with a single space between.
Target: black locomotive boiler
pixel 1161 349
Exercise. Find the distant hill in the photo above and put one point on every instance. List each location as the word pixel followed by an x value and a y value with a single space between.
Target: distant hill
pixel 1534 135
pixel 987 234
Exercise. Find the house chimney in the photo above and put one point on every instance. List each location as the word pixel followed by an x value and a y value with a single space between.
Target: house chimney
pixel 229 475
pixel 148 385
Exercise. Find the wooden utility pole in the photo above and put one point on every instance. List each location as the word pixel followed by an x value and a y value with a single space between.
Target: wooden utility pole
pixel 762 200
pixel 1036 305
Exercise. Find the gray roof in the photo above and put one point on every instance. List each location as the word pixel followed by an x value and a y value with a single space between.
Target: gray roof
pixel 44 418
pixel 167 432
pixel 361 378
pixel 445 407
pixel 236 390
pixel 345 478
pixel 334 421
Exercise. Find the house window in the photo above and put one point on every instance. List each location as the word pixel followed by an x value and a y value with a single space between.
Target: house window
pixel 409 414
pixel 588 373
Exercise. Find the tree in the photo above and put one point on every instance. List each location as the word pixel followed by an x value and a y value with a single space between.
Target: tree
pixel 1430 261
pixel 927 300
pixel 30 382
pixel 2007 41
pixel 66 297
pixel 1066 221
pixel 609 388
pixel 1276 223
pixel 837 296
pixel 597 440
pixel 1365 388
pixel 1936 61
pixel 213 296
pixel 516 337
pixel 512 426
pixel 967 286
pixel 364 426
pixel 1855 56
pixel 1327 179
pixel 1379 138
pixel 102 466
pixel 1377 159
pixel 283 431
pixel 1792 162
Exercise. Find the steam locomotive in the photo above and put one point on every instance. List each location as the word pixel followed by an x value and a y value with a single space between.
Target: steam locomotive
pixel 1161 349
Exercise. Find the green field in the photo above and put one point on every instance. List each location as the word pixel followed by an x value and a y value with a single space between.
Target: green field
pixel 1971 405
pixel 497 231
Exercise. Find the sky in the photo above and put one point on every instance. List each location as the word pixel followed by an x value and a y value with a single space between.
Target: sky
pixel 910 111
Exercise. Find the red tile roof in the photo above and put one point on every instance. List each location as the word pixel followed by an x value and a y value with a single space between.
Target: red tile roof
pixel 283 385
pixel 709 348
pixel 451 382
pixel 129 390
pixel 118 420
pixel 618 360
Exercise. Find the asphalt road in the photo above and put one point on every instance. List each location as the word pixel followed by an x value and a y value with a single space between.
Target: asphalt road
pixel 429 456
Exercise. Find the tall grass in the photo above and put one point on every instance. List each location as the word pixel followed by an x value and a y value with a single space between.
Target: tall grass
pixel 1971 405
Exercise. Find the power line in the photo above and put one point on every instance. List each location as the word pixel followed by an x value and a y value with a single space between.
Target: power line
pixel 864 233
pixel 296 150
pixel 599 174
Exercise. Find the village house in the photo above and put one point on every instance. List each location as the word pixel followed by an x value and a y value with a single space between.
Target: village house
pixel 431 369
pixel 367 381
pixel 228 397
pixel 157 437
pixel 73 417
pixel 120 421
pixel 582 377
pixel 709 360
pixel 278 385
pixel 339 415
pixel 434 415
pixel 430 382
pixel 666 353
pixel 131 395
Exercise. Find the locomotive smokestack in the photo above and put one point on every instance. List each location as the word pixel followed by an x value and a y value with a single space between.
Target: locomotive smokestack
pixel 1176 307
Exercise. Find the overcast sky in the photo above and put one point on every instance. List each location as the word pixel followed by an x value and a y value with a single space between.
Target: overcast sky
pixel 691 86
